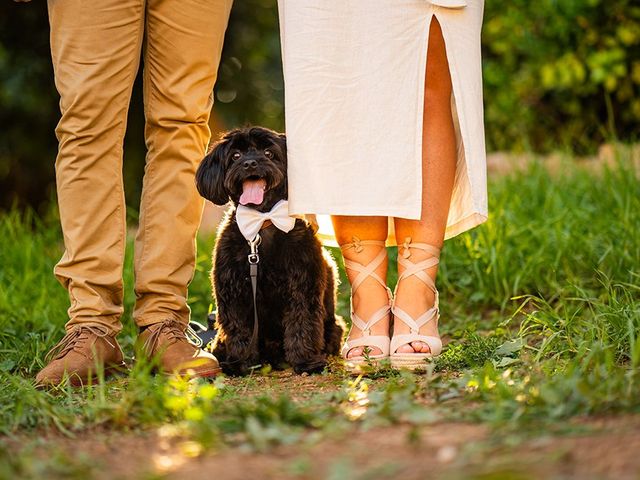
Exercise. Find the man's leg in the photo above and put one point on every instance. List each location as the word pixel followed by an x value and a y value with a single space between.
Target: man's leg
pixel 95 49
pixel 182 51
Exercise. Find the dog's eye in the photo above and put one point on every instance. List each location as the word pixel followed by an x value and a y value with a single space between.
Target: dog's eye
pixel 236 155
pixel 268 153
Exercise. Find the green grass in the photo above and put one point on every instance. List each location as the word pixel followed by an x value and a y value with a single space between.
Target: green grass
pixel 542 306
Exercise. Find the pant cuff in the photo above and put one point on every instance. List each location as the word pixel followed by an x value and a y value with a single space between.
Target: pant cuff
pixel 112 323
pixel 161 318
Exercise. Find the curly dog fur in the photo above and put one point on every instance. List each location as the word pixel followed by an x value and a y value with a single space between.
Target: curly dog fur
pixel 296 277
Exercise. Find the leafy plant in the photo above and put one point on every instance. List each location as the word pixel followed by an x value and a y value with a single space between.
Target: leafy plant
pixel 561 73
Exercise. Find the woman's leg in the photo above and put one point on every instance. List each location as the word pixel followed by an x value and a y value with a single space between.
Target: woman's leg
pixel 370 296
pixel 438 172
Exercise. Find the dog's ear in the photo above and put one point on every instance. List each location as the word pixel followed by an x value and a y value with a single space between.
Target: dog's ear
pixel 210 175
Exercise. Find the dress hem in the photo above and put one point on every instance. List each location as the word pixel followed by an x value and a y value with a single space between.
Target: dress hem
pixel 465 224
pixel 342 210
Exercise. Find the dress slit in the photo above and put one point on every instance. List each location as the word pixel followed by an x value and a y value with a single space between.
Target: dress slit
pixel 354 106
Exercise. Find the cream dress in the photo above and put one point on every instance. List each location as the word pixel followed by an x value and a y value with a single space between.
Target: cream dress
pixel 354 75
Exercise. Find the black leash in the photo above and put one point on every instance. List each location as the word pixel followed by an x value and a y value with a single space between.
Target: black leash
pixel 254 259
pixel 199 332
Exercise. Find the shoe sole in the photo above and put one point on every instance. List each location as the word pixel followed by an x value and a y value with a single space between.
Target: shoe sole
pixel 410 361
pixel 77 381
pixel 205 374
pixel 211 374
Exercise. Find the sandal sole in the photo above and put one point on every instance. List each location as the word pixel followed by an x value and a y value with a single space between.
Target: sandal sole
pixel 411 361
pixel 356 365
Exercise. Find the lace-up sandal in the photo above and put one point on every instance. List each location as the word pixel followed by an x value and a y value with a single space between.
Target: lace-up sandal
pixel 367 339
pixel 416 360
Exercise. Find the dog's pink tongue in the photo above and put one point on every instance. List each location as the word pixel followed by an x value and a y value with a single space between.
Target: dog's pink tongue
pixel 253 191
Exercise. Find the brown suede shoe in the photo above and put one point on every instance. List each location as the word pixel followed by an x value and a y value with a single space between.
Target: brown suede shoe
pixel 168 343
pixel 81 353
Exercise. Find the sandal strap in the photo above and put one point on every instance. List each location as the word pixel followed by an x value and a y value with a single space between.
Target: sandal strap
pixel 415 324
pixel 365 327
pixel 368 270
pixel 407 245
pixel 435 344
pixel 379 341
pixel 357 244
pixel 418 269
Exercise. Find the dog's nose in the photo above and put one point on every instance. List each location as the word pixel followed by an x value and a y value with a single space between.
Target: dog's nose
pixel 250 164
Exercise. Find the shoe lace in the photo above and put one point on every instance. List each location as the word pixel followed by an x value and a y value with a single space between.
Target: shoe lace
pixel 174 331
pixel 75 339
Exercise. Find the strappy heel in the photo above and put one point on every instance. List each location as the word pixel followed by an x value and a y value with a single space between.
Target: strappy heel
pixel 414 360
pixel 367 339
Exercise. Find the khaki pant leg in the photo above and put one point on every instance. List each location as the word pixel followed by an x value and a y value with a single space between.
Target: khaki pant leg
pixel 95 49
pixel 182 52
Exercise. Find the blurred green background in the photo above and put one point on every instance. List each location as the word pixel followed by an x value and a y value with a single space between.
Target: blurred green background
pixel 558 75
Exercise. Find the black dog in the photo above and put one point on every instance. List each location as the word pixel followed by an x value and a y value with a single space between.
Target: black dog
pixel 296 279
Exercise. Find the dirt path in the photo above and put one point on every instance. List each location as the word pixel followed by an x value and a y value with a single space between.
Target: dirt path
pixel 600 448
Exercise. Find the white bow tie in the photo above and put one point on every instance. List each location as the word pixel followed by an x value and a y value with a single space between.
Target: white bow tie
pixel 250 220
